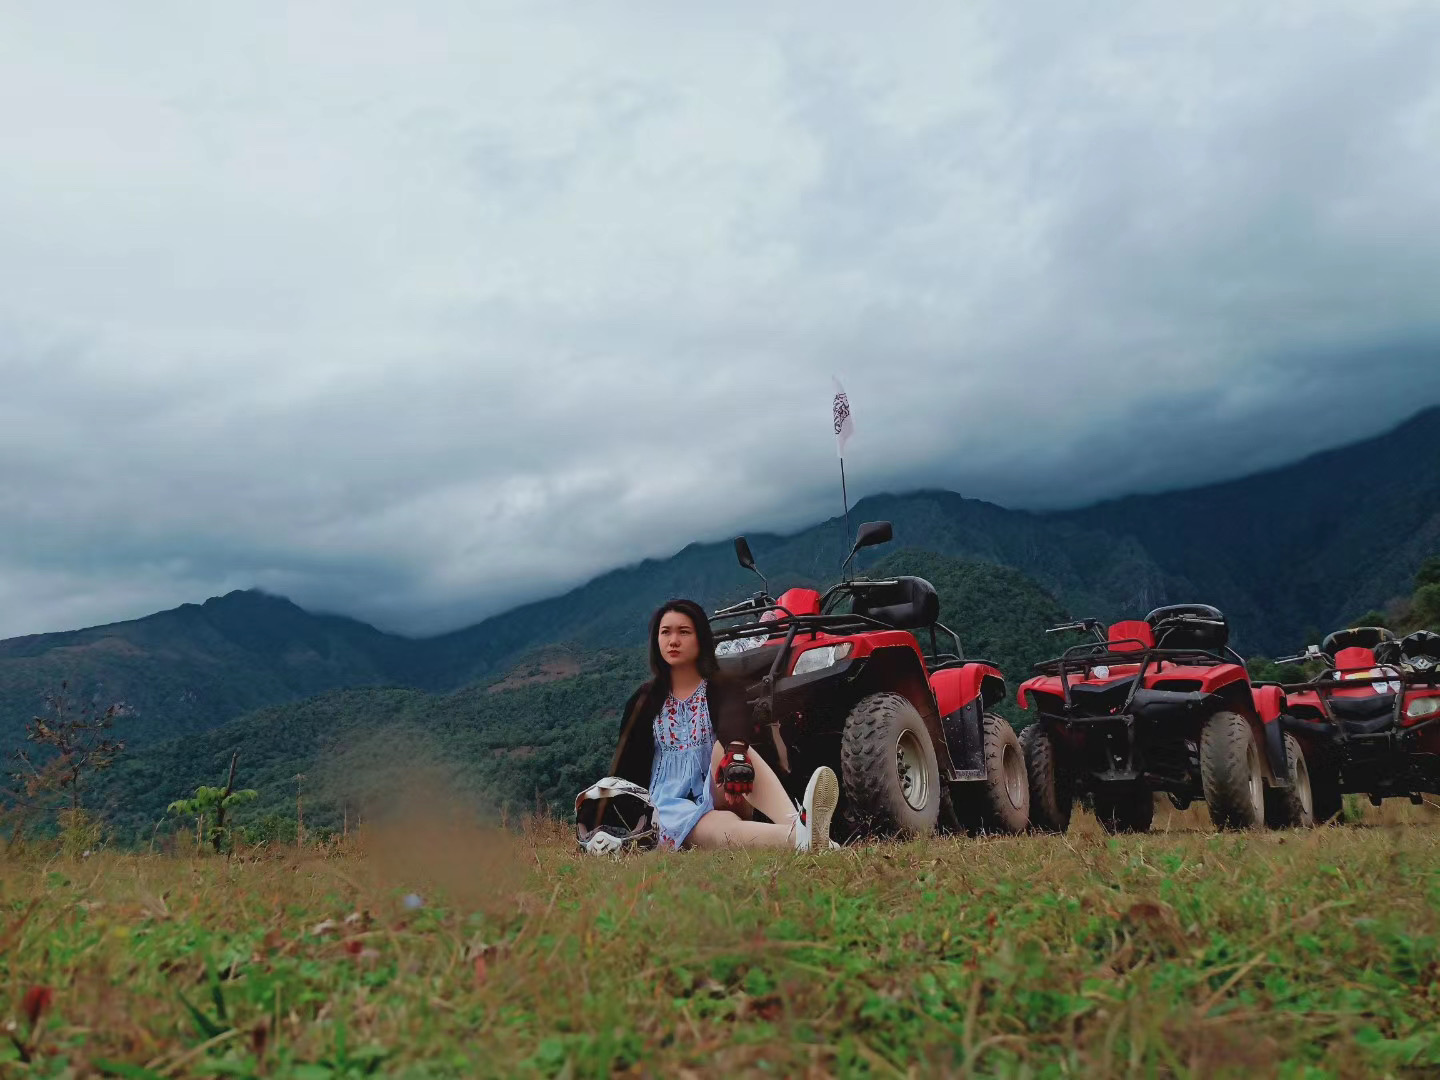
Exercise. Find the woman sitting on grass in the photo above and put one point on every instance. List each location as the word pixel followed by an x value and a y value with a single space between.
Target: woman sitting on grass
pixel 676 736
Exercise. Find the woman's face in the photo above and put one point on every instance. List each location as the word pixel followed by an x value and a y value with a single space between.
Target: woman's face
pixel 678 641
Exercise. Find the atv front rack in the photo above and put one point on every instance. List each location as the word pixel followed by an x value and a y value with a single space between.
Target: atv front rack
pixel 1431 678
pixel 838 623
pixel 1346 728
pixel 1077 658
pixel 1081 658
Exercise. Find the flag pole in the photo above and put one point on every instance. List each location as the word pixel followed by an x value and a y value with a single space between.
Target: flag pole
pixel 844 428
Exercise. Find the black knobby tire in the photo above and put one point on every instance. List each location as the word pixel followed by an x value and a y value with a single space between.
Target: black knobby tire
pixel 1052 795
pixel 1128 808
pixel 1230 772
pixel 1001 802
pixel 879 728
pixel 1292 807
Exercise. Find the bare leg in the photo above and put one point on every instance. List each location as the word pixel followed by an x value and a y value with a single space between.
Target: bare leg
pixel 768 797
pixel 721 828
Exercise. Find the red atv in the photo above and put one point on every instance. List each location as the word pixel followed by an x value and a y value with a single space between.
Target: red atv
pixel 843 680
pixel 1370 721
pixel 1161 704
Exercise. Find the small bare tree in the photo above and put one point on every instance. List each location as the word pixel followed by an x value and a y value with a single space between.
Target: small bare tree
pixel 72 743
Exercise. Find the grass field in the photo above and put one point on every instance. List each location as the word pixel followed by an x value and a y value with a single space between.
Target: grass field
pixel 1181 953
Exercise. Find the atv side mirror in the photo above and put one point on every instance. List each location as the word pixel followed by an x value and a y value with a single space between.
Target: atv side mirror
pixel 872 533
pixel 747 560
pixel 868 535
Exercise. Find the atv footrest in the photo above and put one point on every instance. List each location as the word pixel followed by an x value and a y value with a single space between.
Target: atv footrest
pixel 958 776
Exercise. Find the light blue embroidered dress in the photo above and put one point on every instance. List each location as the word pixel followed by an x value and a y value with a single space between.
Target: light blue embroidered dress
pixel 680 777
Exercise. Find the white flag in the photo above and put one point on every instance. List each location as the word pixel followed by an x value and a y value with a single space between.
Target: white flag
pixel 844 422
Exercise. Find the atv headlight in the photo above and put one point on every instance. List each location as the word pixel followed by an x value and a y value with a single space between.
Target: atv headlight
pixel 821 658
pixel 1423 707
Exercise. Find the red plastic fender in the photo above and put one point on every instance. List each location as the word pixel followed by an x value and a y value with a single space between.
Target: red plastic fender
pixel 1046 684
pixel 1269 703
pixel 1212 680
pixel 958 686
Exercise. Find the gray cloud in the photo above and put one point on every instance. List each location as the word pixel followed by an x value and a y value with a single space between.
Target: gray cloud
pixel 417 313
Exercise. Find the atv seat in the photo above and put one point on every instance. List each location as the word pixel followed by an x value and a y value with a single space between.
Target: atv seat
pixel 799 601
pixel 1357 637
pixel 1354 658
pixel 1132 635
pixel 1190 626
pixel 1370 707
pixel 910 604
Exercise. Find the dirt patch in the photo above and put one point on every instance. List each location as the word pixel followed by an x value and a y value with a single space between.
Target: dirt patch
pixel 114 646
pixel 547 669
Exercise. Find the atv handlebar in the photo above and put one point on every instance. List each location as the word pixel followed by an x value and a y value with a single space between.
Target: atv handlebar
pixel 1092 625
pixel 733 609
pixel 1312 652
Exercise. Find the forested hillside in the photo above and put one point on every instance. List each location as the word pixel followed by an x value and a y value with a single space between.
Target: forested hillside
pixel 194 667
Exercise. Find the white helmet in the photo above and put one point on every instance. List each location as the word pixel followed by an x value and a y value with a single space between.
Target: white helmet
pixel 614 815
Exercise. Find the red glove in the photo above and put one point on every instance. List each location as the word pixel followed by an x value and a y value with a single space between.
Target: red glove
pixel 735 775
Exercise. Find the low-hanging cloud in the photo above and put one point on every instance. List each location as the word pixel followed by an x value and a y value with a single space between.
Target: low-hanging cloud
pixel 417 313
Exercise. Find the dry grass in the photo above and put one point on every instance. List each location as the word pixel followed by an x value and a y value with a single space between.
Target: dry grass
pixel 1182 953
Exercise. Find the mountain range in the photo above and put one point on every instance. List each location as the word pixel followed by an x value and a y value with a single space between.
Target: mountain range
pixel 1285 553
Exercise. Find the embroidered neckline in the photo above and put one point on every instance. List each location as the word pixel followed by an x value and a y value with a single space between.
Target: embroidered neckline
pixel 693 693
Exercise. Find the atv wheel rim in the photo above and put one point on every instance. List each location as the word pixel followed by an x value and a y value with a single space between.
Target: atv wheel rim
pixel 1257 781
pixel 1302 788
pixel 1012 772
pixel 914 778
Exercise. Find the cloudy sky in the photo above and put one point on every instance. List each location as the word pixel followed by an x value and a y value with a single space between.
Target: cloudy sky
pixel 414 311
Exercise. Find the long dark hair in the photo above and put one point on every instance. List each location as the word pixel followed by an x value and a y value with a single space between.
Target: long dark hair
pixel 654 693
pixel 705 663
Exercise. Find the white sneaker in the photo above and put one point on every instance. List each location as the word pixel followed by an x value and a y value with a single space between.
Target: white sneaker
pixel 822 794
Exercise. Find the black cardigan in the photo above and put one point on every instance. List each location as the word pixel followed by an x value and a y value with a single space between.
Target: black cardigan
pixel 635 754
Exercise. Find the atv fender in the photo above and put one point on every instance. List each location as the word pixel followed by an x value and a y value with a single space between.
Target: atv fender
pixel 1040 684
pixel 1269 705
pixel 900 670
pixel 1275 752
pixel 963 694
pixel 956 687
